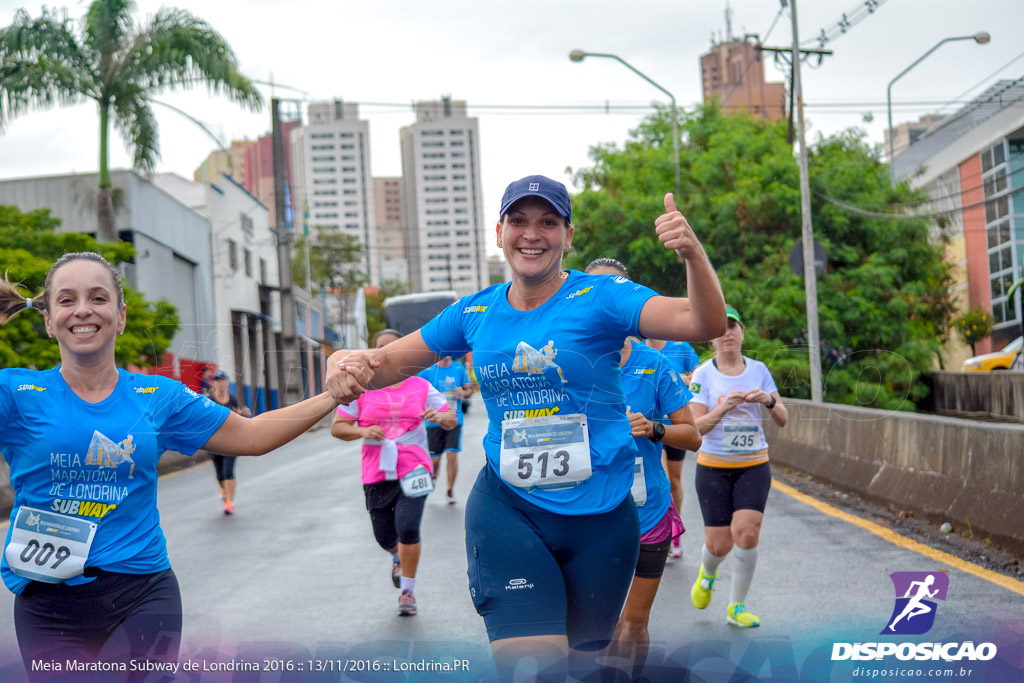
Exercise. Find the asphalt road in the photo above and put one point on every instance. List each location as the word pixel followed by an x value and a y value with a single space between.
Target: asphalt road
pixel 294 581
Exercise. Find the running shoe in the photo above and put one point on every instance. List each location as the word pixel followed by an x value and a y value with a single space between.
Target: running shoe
pixel 396 574
pixel 451 497
pixel 677 551
pixel 700 594
pixel 737 615
pixel 229 507
pixel 406 604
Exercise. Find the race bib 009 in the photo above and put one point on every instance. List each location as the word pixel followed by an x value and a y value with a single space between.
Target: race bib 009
pixel 48 547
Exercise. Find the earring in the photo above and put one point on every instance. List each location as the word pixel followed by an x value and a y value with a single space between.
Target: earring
pixel 499 244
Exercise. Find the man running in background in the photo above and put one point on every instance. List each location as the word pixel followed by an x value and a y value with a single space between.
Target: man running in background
pixel 452 381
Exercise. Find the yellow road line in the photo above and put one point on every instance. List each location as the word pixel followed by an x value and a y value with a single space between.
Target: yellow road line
pixel 904 542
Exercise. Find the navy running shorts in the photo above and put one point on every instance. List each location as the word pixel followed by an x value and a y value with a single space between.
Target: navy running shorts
pixel 723 490
pixel 440 440
pixel 534 572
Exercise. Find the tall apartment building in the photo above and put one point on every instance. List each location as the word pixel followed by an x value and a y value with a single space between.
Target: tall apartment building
pixel 734 70
pixel 258 168
pixel 442 201
pixel 228 162
pixel 387 197
pixel 331 154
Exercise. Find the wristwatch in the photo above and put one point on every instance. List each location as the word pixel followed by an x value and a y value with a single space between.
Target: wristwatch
pixel 659 432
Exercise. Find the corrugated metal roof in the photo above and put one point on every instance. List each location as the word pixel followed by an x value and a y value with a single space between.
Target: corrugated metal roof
pixel 999 97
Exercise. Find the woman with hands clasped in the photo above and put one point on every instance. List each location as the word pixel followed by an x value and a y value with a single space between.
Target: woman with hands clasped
pixel 552 534
pixel 731 393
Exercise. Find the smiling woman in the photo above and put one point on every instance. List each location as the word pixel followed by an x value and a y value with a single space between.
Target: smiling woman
pixel 552 503
pixel 83 447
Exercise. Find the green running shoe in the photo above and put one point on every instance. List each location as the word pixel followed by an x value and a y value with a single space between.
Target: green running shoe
pixel 700 594
pixel 737 615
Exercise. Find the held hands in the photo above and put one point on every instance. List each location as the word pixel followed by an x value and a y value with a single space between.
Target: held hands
pixel 675 233
pixel 348 373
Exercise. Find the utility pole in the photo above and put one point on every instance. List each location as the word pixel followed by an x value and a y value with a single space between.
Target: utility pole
pixel 794 55
pixel 290 382
pixel 810 269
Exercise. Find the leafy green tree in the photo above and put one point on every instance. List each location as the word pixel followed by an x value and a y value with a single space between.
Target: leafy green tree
pixel 118 64
pixel 973 326
pixel 375 304
pixel 884 309
pixel 335 262
pixel 28 247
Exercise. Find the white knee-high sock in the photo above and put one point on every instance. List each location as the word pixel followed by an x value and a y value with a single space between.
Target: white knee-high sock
pixel 710 561
pixel 743 573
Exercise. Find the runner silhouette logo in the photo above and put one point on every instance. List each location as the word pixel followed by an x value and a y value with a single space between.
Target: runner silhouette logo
pixel 916 593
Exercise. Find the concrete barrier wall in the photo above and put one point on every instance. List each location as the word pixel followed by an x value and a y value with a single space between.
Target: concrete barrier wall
pixel 989 395
pixel 940 468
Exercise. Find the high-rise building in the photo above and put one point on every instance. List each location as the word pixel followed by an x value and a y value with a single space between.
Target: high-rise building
pixel 333 186
pixel 387 197
pixel 442 201
pixel 258 162
pixel 229 162
pixel 734 71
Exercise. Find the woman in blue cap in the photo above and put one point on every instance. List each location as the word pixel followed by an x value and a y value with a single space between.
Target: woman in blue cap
pixel 552 534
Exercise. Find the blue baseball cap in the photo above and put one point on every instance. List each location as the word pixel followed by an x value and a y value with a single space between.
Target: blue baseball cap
pixel 538 186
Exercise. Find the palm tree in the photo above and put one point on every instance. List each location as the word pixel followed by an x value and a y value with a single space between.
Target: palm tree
pixel 120 65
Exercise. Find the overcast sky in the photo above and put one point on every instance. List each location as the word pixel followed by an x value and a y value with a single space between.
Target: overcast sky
pixel 501 53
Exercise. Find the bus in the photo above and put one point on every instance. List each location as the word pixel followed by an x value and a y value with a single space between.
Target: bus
pixel 409 312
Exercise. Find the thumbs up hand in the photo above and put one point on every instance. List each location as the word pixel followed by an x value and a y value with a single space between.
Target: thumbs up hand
pixel 675 233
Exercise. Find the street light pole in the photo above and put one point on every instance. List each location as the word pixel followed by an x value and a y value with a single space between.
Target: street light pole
pixel 580 55
pixel 807 231
pixel 981 37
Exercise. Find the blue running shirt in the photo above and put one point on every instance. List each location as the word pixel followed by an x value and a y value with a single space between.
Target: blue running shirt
pixel 654 388
pixel 682 356
pixel 561 358
pixel 97 461
pixel 445 380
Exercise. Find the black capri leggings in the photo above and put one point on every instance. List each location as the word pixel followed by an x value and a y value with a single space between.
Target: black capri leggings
pixel 394 516
pixel 116 618
pixel 224 466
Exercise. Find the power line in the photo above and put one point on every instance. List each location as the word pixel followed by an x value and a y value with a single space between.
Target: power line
pixel 848 20
pixel 846 206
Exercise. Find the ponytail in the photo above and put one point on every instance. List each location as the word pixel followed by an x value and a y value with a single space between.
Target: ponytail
pixel 13 302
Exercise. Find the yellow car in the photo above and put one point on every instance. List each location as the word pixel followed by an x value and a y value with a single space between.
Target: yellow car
pixel 997 360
